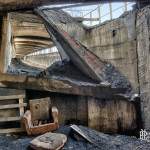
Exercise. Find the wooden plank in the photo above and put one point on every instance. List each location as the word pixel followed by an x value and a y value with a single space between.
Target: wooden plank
pixel 81 133
pixel 21 107
pixel 9 119
pixel 13 106
pixel 11 97
pixel 11 130
pixel 8 91
pixel 78 131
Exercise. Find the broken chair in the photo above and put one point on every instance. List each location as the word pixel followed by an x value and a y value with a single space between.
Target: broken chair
pixel 40 118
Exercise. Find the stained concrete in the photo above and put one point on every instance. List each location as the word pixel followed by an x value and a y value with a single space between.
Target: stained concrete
pixel 124 42
pixel 143 49
pixel 115 42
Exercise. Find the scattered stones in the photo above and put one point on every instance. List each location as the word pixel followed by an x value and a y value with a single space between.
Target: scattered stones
pixel 105 141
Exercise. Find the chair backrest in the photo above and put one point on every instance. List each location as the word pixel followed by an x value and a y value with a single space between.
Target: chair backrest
pixel 40 109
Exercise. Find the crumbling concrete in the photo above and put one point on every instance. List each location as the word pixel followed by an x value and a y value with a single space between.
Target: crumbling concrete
pixel 143 49
pixel 86 61
pixel 115 42
pixel 17 67
pixel 66 69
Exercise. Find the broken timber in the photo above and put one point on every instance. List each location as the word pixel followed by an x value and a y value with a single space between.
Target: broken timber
pixel 77 130
pixel 82 58
pixel 20 105
pixel 59 86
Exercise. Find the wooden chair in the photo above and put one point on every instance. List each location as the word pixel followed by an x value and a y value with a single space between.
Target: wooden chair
pixel 42 128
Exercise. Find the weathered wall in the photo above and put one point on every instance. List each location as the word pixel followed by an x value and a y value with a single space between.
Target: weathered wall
pixel 114 41
pixel 111 116
pixel 143 48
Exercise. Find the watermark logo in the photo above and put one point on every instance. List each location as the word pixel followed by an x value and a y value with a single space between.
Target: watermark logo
pixel 144 135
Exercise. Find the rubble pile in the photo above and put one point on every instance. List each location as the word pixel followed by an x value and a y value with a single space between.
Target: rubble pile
pixel 65 70
pixel 105 141
pixel 18 67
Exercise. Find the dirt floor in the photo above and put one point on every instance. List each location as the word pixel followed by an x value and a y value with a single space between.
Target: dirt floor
pixel 105 141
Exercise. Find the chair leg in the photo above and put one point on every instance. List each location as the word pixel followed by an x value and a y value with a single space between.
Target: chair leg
pixel 55 114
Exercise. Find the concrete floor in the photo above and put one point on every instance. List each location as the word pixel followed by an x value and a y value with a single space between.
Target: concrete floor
pixel 105 141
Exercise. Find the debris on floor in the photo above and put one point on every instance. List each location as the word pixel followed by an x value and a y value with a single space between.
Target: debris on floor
pixel 105 141
pixel 78 134
pixel 76 131
pixel 49 141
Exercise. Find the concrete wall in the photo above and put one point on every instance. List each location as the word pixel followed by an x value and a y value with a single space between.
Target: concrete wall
pixel 125 42
pixel 109 116
pixel 143 48
pixel 115 42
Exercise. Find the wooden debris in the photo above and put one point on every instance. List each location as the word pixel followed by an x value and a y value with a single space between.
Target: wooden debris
pixel 8 108
pixel 80 133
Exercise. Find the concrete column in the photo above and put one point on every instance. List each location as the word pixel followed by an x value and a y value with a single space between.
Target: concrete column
pixel 6 49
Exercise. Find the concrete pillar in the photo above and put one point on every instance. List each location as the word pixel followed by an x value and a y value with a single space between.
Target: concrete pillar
pixel 5 49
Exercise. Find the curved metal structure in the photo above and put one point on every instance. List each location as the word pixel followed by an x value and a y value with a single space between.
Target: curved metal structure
pixel 10 5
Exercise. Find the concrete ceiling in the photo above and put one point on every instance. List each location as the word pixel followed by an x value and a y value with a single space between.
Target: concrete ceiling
pixel 28 33
pixel 9 5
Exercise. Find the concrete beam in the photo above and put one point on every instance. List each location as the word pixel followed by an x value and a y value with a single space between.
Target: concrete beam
pixel 58 86
pixel 83 59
